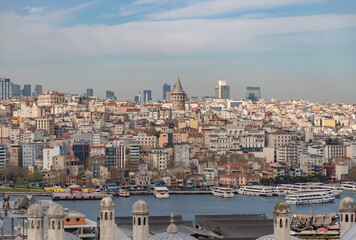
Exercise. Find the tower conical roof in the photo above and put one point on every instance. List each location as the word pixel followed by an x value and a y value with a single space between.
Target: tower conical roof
pixel 178 86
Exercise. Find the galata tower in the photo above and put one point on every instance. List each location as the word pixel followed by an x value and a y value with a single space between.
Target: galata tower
pixel 178 96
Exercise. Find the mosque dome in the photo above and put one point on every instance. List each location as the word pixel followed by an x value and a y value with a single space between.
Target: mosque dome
pixel 67 236
pixel 55 210
pixel 347 204
pixel 172 236
pixel 107 204
pixel 350 234
pixel 172 233
pixel 271 237
pixel 281 207
pixel 140 208
pixel 35 210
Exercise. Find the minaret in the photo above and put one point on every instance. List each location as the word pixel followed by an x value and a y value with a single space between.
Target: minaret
pixel 172 228
pixel 347 210
pixel 107 218
pixel 55 222
pixel 18 233
pixel 140 212
pixel 35 222
pixel 178 96
pixel 282 217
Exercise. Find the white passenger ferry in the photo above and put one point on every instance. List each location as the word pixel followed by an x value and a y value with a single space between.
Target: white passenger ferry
pixel 308 198
pixel 262 191
pixel 334 190
pixel 349 186
pixel 161 192
pixel 223 192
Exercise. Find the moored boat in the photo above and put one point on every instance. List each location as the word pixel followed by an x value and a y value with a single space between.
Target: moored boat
pixel 261 191
pixel 349 186
pixel 223 192
pixel 123 193
pixel 309 198
pixel 161 192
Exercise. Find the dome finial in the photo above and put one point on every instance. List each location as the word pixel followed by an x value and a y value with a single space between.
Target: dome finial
pixel 172 228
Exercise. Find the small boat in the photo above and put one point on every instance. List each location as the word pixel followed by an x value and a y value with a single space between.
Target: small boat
pixel 123 193
pixel 223 192
pixel 161 192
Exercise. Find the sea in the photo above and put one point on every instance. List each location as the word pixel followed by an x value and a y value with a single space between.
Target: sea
pixel 189 205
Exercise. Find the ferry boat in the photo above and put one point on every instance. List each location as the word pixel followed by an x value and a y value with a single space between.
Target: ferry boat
pixel 279 191
pixel 78 194
pixel 223 192
pixel 261 191
pixel 161 192
pixel 349 186
pixel 309 198
pixel 123 193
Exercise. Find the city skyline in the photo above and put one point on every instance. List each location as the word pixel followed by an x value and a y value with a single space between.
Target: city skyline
pixel 291 49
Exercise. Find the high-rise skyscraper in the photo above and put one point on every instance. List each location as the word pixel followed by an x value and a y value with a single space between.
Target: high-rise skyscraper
pixel 38 90
pixel 136 99
pixel 26 91
pixel 16 90
pixel 90 92
pixel 166 88
pixel 147 95
pixel 222 90
pixel 5 88
pixel 253 93
pixel 110 94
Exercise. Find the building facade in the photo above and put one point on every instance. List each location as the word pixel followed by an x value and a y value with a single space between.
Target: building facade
pixel 90 92
pixel 5 88
pixel 222 90
pixel 253 93
pixel 166 88
pixel 50 98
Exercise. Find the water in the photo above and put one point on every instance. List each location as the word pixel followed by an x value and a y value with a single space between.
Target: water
pixel 200 204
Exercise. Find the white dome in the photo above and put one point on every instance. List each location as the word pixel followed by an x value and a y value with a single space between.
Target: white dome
pixel 107 204
pixel 347 204
pixel 55 210
pixel 281 207
pixel 172 236
pixel 271 237
pixel 140 207
pixel 350 234
pixel 35 210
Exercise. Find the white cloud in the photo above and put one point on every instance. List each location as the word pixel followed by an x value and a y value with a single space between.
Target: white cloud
pixel 220 7
pixel 48 40
pixel 35 10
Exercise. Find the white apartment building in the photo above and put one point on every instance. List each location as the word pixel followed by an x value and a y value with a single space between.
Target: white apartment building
pixel 48 154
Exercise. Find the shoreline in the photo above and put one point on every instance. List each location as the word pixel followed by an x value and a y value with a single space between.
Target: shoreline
pixel 131 193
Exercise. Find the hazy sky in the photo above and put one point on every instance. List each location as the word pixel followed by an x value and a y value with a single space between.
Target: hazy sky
pixel 290 48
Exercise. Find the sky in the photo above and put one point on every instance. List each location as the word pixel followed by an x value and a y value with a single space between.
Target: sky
pixel 290 48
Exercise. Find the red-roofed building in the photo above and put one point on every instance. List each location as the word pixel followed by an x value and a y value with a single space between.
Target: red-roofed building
pixel 237 168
